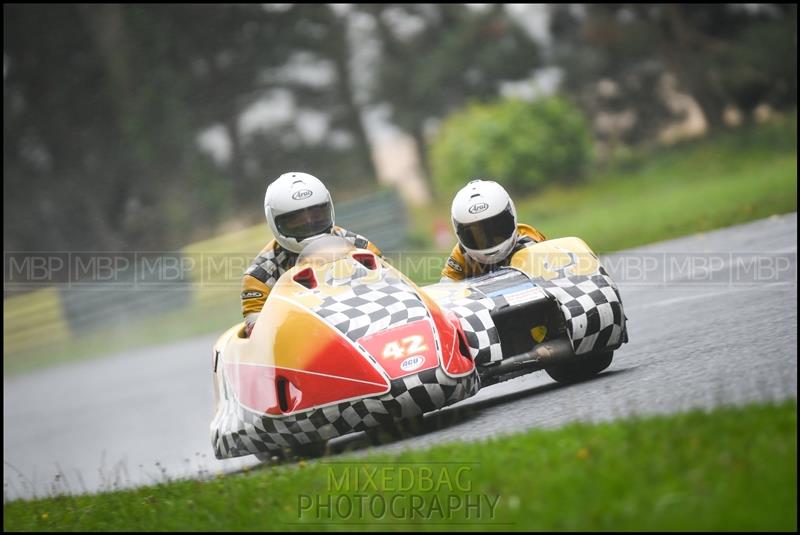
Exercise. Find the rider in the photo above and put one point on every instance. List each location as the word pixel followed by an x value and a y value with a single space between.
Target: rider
pixel 299 210
pixel 485 222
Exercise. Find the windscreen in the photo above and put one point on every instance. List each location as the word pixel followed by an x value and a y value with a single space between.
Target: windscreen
pixel 325 250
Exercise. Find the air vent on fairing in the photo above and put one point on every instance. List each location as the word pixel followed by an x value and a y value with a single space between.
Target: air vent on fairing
pixel 306 278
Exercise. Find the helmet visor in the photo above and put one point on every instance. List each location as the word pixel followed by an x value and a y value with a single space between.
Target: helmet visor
pixel 487 233
pixel 306 222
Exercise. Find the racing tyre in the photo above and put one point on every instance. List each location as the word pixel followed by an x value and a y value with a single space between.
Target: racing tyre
pixel 580 368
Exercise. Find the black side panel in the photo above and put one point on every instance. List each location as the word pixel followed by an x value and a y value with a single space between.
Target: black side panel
pixel 515 323
pixel 519 306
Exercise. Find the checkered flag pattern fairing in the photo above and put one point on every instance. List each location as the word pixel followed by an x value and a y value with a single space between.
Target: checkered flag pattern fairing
pixel 474 314
pixel 592 310
pixel 237 431
pixel 371 307
pixel 591 306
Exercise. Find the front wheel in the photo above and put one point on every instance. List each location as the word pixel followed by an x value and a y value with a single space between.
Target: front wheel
pixel 580 367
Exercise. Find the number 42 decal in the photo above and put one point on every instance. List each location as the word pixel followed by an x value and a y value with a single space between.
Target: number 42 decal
pixel 410 345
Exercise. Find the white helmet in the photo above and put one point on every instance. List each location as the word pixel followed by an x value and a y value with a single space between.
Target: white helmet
pixel 485 221
pixel 299 210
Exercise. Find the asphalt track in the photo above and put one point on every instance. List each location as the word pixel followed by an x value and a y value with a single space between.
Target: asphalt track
pixel 712 321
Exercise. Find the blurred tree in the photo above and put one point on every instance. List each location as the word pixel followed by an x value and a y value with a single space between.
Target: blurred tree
pixel 219 61
pixel 434 57
pixel 56 135
pixel 615 57
pixel 332 44
pixel 726 54
pixel 103 105
pixel 610 70
pixel 319 76
pixel 759 65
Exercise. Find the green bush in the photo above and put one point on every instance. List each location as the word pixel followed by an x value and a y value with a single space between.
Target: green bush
pixel 522 145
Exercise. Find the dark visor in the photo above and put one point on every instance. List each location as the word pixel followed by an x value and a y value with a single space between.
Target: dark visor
pixel 307 222
pixel 487 233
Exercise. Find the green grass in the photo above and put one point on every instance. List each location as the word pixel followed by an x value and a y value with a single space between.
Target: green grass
pixel 687 189
pixel 731 469
pixel 738 176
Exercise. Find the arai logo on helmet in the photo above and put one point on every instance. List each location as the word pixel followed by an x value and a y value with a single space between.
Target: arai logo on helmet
pixel 478 208
pixel 412 363
pixel 302 194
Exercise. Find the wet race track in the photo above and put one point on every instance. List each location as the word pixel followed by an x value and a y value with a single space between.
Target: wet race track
pixel 712 320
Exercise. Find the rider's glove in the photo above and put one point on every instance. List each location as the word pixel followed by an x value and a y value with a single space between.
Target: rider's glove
pixel 249 323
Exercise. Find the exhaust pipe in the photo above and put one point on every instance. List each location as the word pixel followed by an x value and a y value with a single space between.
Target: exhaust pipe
pixel 540 357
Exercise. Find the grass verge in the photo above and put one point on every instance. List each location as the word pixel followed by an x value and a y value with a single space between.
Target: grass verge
pixel 730 469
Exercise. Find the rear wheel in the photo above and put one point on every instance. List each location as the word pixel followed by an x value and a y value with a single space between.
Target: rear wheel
pixel 580 368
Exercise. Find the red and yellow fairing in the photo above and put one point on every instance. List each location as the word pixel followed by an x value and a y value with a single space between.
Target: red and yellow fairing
pixel 403 350
pixel 455 360
pixel 294 360
pixel 294 350
pixel 556 258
